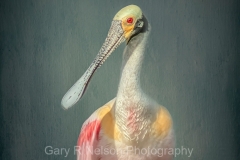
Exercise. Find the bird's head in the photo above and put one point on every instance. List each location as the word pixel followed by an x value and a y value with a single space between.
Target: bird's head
pixel 132 21
pixel 126 24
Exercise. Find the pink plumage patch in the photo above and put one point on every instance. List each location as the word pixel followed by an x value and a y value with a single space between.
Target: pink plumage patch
pixel 89 132
pixel 131 119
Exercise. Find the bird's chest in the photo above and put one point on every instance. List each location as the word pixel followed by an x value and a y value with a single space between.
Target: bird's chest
pixel 131 133
pixel 133 121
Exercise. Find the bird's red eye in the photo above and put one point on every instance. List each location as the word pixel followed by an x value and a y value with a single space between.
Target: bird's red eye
pixel 130 20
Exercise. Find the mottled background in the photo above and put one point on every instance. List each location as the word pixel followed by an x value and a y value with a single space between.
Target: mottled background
pixel 191 67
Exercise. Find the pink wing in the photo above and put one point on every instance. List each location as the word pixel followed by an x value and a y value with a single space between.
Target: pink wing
pixel 88 139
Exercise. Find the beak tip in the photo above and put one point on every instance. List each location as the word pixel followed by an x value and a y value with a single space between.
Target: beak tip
pixel 66 104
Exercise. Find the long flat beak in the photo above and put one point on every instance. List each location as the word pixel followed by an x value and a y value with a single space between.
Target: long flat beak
pixel 114 39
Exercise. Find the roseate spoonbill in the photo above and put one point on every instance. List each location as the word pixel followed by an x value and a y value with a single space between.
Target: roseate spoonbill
pixel 131 126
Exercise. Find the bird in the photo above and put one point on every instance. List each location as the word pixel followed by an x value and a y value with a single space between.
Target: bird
pixel 132 126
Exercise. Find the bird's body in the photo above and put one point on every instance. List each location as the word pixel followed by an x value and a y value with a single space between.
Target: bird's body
pixel 132 125
pixel 101 138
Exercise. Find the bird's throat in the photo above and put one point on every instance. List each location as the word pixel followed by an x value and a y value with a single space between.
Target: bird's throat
pixel 133 55
pixel 131 103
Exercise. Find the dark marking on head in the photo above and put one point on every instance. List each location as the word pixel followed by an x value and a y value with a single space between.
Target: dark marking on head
pixel 141 26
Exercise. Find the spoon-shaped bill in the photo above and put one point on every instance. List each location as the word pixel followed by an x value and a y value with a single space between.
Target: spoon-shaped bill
pixel 114 39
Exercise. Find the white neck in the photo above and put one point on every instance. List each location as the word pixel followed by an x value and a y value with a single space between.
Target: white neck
pixel 131 67
pixel 131 102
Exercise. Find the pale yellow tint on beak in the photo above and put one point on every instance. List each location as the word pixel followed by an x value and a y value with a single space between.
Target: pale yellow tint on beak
pixel 127 30
pixel 129 11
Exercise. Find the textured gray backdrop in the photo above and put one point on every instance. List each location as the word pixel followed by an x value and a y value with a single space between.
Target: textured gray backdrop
pixel 191 67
